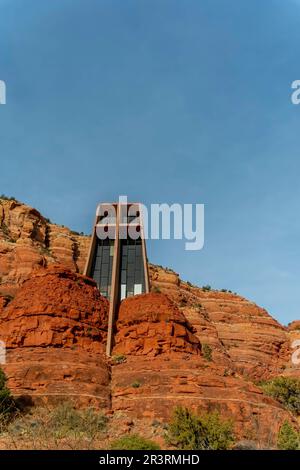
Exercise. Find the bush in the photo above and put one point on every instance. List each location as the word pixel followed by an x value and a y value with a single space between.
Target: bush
pixel 6 232
pixel 136 384
pixel 197 305
pixel 207 352
pixel 7 404
pixel 188 431
pixel 63 422
pixel 288 438
pixel 7 198
pixel 206 288
pixel 66 421
pixel 286 390
pixel 119 358
pixel 134 442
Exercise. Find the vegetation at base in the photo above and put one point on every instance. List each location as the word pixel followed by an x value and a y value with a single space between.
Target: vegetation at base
pixel 56 428
pixel 286 390
pixel 7 403
pixel 206 431
pixel 134 442
pixel 245 445
pixel 207 352
pixel 65 420
pixel 288 438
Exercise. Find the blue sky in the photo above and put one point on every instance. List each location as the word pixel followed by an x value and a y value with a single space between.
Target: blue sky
pixel 166 101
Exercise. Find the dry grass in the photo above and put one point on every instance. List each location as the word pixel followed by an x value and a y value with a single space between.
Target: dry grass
pixel 60 428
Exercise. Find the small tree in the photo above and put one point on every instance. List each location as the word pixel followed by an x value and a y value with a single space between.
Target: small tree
pixel 288 438
pixel 206 288
pixel 207 352
pixel 286 390
pixel 6 400
pixel 188 431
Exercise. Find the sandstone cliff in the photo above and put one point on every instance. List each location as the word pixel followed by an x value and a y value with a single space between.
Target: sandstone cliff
pixel 240 334
pixel 179 344
pixel 55 331
pixel 28 240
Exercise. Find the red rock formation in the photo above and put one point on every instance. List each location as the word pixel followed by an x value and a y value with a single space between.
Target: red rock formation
pixel 159 374
pixel 55 332
pixel 294 326
pixel 51 375
pixel 238 331
pixel 56 308
pixel 147 389
pixel 2 303
pixel 28 240
pixel 150 324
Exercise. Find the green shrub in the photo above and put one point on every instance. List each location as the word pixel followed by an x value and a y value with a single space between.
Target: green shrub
pixel 7 404
pixel 288 438
pixel 207 352
pixel 5 229
pixel 286 390
pixel 7 198
pixel 136 384
pixel 60 428
pixel 206 288
pixel 134 442
pixel 119 358
pixel 169 270
pixel 67 421
pixel 188 431
pixel 197 305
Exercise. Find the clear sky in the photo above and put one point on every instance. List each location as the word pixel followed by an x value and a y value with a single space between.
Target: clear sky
pixel 166 101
